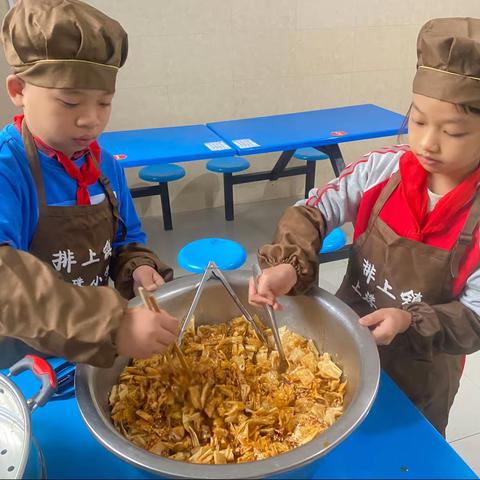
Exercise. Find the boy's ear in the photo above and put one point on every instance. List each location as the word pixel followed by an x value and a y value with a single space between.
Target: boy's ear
pixel 15 86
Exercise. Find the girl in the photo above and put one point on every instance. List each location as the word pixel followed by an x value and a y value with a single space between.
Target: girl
pixel 414 270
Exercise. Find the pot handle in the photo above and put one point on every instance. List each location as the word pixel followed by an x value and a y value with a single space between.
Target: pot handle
pixel 43 371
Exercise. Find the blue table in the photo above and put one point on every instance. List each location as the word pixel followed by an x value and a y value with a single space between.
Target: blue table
pixel 394 441
pixel 321 129
pixel 135 148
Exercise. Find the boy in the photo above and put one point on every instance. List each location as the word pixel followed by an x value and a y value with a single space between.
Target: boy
pixel 67 220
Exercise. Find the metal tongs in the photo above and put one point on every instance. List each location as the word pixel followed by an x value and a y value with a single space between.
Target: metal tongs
pixel 213 271
pixel 283 364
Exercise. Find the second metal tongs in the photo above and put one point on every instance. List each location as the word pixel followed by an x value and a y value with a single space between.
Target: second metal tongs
pixel 213 271
pixel 283 364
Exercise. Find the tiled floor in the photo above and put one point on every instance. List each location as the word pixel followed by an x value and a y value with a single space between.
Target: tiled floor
pixel 253 226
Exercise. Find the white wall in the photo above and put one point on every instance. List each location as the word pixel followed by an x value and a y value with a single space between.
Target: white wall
pixel 196 61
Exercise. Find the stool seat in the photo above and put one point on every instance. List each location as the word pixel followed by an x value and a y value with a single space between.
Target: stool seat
pixel 335 240
pixel 161 173
pixel 309 154
pixel 228 164
pixel 227 254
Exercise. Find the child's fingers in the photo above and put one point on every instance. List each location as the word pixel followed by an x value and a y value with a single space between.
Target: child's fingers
pixel 255 304
pixel 165 337
pixel 169 323
pixel 148 282
pixel 143 281
pixel 158 280
pixel 251 289
pixel 372 318
pixel 255 298
pixel 383 334
pixel 260 300
pixel 261 291
pixel 264 288
pixel 278 307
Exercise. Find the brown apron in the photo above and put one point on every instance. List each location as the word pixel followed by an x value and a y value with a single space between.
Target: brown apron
pixel 75 241
pixel 386 270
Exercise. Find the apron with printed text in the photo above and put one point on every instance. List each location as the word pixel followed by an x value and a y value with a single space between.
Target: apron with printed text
pixel 76 241
pixel 386 270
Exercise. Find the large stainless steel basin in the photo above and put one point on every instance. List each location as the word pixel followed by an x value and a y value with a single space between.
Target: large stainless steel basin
pixel 320 316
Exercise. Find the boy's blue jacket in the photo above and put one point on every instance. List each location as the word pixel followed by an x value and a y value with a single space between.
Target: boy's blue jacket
pixel 18 195
pixel 38 307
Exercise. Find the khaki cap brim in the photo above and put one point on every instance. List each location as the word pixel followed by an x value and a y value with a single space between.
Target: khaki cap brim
pixel 447 86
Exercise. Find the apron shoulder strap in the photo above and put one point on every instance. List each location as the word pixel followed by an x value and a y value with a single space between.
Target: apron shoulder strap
pixel 388 189
pixel 466 235
pixel 32 157
pixel 112 199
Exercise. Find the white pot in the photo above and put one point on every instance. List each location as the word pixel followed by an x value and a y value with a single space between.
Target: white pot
pixel 20 454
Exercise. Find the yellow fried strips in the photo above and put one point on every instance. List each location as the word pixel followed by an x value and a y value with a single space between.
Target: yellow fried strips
pixel 230 405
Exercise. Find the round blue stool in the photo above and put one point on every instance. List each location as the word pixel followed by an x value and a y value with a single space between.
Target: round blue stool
pixel 161 174
pixel 227 254
pixel 310 154
pixel 167 172
pixel 335 240
pixel 228 166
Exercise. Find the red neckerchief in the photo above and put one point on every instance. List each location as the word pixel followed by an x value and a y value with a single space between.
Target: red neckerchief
pixel 86 175
pixel 414 190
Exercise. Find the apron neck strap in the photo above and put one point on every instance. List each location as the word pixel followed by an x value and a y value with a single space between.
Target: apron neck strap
pixel 466 235
pixel 32 157
pixel 112 200
pixel 388 189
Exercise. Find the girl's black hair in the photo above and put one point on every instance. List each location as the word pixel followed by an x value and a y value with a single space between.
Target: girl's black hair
pixel 466 109
pixel 403 127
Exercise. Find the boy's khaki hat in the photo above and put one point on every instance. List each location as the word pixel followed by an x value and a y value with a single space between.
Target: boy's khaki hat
pixel 448 66
pixel 63 44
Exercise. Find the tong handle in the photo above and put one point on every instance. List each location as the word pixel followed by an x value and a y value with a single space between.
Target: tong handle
pixel 193 305
pixel 219 275
pixel 213 270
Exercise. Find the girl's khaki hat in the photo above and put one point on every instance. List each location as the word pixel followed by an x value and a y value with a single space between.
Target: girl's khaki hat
pixel 448 65
pixel 63 44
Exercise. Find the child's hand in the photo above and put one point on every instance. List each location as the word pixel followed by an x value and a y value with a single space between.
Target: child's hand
pixel 273 281
pixel 146 277
pixel 143 333
pixel 387 323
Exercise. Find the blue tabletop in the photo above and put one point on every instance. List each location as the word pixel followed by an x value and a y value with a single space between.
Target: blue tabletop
pixel 135 148
pixel 308 129
pixel 394 441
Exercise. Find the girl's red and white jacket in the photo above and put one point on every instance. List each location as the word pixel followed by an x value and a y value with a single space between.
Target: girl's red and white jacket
pixel 351 197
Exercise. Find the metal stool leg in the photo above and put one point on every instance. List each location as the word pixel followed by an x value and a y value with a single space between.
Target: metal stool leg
pixel 309 177
pixel 228 195
pixel 165 198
